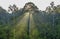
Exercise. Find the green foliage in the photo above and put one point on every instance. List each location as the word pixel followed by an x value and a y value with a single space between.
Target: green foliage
pixel 15 25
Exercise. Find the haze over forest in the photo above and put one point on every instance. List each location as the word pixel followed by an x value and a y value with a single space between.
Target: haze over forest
pixel 29 22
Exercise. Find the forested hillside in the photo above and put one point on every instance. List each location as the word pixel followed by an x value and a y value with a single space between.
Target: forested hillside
pixel 29 22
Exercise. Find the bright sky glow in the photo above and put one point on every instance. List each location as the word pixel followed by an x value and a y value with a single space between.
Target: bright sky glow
pixel 41 4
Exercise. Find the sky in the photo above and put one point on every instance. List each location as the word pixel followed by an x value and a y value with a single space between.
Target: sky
pixel 41 4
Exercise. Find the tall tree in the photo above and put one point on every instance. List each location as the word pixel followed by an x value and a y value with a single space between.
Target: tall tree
pixel 13 8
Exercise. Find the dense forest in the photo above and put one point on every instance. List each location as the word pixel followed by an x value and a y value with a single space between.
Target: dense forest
pixel 29 22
